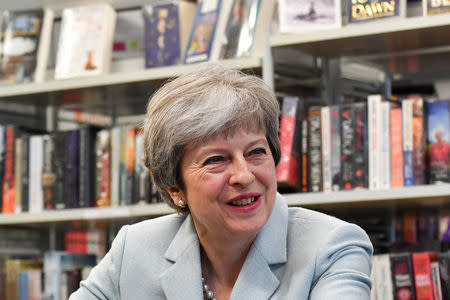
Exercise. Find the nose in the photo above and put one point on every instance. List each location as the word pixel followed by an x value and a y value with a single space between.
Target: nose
pixel 241 173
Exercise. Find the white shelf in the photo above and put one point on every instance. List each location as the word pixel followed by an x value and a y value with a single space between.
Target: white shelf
pixel 423 194
pixel 119 78
pixel 426 194
pixel 383 36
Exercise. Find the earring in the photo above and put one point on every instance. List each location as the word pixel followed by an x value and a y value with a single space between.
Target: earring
pixel 181 203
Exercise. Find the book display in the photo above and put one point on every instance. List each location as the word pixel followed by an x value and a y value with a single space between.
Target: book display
pixel 385 152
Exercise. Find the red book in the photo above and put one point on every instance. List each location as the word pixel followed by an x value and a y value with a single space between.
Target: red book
pixel 423 275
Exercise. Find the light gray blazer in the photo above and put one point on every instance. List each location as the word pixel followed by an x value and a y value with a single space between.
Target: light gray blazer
pixel 299 254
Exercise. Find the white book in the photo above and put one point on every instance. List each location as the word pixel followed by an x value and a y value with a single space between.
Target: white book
pixel 220 37
pixel 385 178
pixel 43 51
pixel 115 165
pixel 373 278
pixel 435 275
pixel 384 285
pixel 35 191
pixel 85 42
pixel 304 15
pixel 326 149
pixel 374 133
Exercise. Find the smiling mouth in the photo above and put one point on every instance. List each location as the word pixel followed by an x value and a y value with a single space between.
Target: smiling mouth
pixel 244 202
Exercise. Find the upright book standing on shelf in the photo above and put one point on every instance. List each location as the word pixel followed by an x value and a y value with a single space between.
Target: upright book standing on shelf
pixel 85 43
pixel 306 15
pixel 24 43
pixel 435 7
pixel 370 10
pixel 203 31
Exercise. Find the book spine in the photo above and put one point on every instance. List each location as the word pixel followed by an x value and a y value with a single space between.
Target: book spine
pixel 304 154
pixel 129 163
pixel 347 146
pixel 115 165
pixel 407 129
pixel 326 149
pixel 25 171
pixel 2 161
pixel 8 189
pixel 59 166
pixel 103 175
pixel 385 178
pixel 418 142
pixel 72 175
pixel 86 169
pixel 122 167
pixel 48 172
pixel 437 288
pixel 373 112
pixel 360 174
pixel 422 276
pixel 385 289
pixel 18 173
pixel 396 148
pixel 335 147
pixel 315 150
pixel 35 192
pixel 402 276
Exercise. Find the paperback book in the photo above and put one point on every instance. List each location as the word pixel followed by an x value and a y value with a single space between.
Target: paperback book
pixel 435 7
pixel 371 10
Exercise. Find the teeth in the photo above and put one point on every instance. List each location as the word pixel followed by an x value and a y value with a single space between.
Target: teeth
pixel 242 202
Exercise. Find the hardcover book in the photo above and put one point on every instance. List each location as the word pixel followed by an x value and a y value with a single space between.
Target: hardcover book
pixel 418 142
pixel 203 31
pixel 370 10
pixel 435 7
pixel 347 146
pixel 385 141
pixel 306 15
pixel 35 191
pixel 9 184
pixel 360 175
pixel 48 171
pixel 141 182
pixel 326 149
pixel 438 140
pixel 20 35
pixel 162 34
pixel 407 129
pixel 396 148
pixel 335 144
pixel 402 276
pixel 59 166
pixel 86 39
pixel 423 275
pixel 72 174
pixel 102 173
pixel 25 171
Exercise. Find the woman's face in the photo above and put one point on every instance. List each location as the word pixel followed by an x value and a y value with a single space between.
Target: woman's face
pixel 230 183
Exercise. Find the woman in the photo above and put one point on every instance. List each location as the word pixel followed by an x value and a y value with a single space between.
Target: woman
pixel 211 145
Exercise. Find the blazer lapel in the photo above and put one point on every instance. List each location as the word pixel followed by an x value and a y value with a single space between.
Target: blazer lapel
pixel 182 280
pixel 256 279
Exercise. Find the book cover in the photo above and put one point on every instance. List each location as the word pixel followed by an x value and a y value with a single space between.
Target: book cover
pixel 314 149
pixel 85 42
pixel 241 27
pixel 435 7
pixel 335 143
pixel 288 168
pixel 306 15
pixel 407 137
pixel 370 10
pixel 129 34
pixel 9 182
pixel 102 173
pixel 21 34
pixel 360 158
pixel 162 34
pixel 423 275
pixel 396 148
pixel 35 191
pixel 202 33
pixel 347 146
pixel 438 140
pixel 402 276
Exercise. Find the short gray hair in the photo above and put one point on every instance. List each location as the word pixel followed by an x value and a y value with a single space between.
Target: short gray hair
pixel 199 105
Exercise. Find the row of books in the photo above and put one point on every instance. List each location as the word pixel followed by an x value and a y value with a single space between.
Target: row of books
pixel 172 32
pixel 421 276
pixel 305 15
pixel 377 144
pixel 72 169
pixel 55 277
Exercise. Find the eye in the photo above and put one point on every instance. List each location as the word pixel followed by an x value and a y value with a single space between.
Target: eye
pixel 258 151
pixel 213 159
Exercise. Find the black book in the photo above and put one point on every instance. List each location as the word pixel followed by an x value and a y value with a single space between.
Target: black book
pixel 72 176
pixel 402 276
pixel 59 164
pixel 347 146
pixel 25 171
pixel 87 166
pixel 361 154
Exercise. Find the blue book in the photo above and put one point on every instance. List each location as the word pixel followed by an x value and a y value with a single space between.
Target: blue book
pixel 162 35
pixel 203 30
pixel 23 286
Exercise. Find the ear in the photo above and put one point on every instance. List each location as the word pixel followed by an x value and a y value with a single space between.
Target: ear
pixel 176 194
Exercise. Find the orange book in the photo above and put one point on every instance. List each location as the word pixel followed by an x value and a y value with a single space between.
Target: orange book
pixel 396 148
pixel 9 187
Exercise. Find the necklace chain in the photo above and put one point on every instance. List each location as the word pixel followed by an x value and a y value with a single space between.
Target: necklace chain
pixel 206 291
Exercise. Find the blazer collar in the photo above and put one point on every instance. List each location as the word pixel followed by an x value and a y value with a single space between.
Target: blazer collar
pixel 182 280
